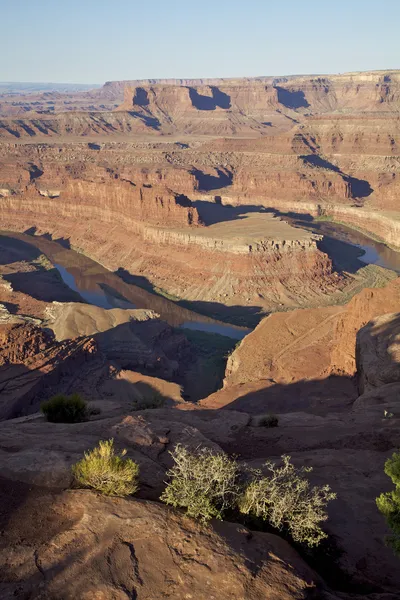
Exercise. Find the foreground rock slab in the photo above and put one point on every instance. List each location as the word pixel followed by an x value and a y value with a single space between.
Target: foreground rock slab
pixel 94 548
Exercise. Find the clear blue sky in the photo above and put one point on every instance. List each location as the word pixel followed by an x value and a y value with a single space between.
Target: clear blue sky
pixel 91 41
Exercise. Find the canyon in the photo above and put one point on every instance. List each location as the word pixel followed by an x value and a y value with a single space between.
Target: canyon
pixel 187 255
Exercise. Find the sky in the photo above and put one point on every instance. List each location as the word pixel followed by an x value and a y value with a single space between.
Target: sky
pixel 93 41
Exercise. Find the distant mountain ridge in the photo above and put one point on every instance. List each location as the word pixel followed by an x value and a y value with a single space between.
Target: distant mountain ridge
pixel 10 87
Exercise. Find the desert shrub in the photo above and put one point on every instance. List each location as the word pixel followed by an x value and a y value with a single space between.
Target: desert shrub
pixel 109 473
pixel 65 409
pixel 202 481
pixel 286 501
pixel 389 502
pixel 156 400
pixel 268 421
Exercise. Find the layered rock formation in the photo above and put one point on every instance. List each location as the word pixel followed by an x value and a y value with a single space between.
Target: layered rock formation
pixel 286 365
pixel 313 345
pixel 135 339
pixel 154 209
pixel 123 219
pixel 347 443
pixel 326 146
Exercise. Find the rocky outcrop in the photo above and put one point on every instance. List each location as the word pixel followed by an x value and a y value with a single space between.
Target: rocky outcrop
pixel 32 364
pixel 234 106
pixel 285 347
pixel 307 345
pixel 73 319
pixel 135 339
pixel 107 549
pixel 367 305
pixel 321 424
pixel 304 367
pixel 378 352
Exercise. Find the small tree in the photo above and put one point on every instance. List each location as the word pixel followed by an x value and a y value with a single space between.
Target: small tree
pixel 65 409
pixel 285 499
pixel 389 502
pixel 202 481
pixel 108 473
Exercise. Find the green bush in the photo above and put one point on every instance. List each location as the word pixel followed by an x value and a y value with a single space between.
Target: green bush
pixel 65 409
pixel 268 421
pixel 286 501
pixel 389 502
pixel 108 473
pixel 202 481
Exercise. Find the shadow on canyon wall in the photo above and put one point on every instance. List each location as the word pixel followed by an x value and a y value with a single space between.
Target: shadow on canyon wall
pixel 14 250
pixel 62 241
pixel 96 285
pixel 336 393
pixel 147 120
pixel 359 188
pixel 216 212
pixel 11 307
pixel 243 316
pixel 218 99
pixel 42 284
pixel 208 182
pixel 291 99
pixel 141 97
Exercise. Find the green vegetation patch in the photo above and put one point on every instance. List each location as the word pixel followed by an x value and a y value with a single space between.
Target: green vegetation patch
pixel 203 482
pixel 208 484
pixel 65 409
pixel 105 471
pixel 389 503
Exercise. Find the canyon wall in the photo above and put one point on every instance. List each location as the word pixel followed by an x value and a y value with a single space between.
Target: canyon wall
pixel 140 187
pixel 187 263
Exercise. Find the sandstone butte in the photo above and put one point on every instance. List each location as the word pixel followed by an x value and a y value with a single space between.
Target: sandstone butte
pixel 188 187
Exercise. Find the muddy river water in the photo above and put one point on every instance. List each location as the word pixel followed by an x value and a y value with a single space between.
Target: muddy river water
pixel 348 248
pixel 98 286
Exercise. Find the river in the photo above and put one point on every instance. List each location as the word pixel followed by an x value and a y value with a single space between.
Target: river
pixel 98 286
pixel 348 249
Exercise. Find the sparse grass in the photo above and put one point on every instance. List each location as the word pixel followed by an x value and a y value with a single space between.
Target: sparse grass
pixel 202 481
pixel 286 501
pixel 106 472
pixel 269 420
pixel 389 503
pixel 156 400
pixel 65 409
pixel 43 262
pixel 165 294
